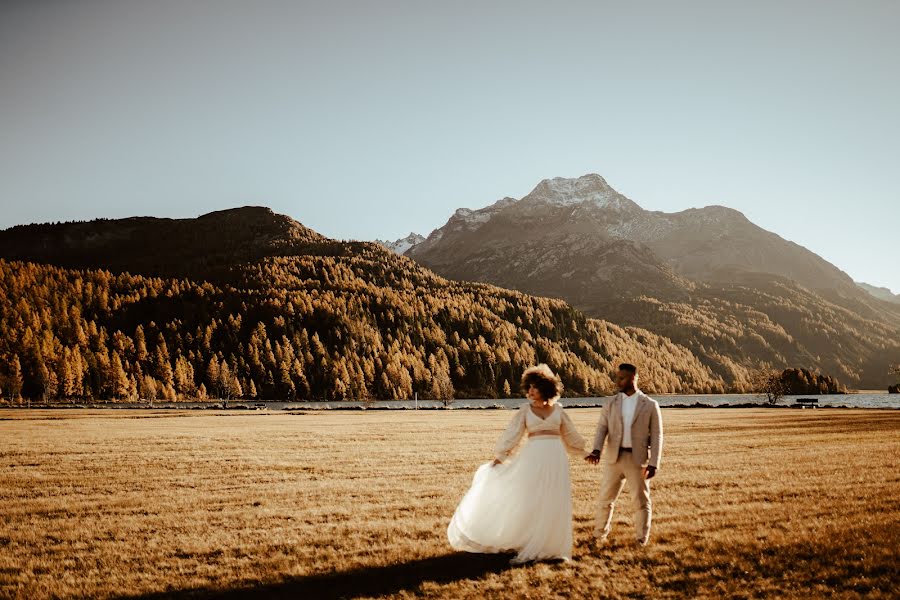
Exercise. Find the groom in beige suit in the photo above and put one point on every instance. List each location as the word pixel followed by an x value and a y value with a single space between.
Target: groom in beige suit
pixel 631 424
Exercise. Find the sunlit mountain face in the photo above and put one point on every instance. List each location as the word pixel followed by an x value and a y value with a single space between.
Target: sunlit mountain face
pixel 708 278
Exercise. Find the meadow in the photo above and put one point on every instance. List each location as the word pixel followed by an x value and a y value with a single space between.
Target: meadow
pixel 749 503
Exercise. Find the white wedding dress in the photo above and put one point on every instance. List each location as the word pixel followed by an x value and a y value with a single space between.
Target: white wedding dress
pixel 524 504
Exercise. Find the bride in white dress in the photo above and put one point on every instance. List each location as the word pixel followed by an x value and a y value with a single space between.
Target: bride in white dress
pixel 524 504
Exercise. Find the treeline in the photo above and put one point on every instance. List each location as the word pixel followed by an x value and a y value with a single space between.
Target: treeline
pixel 775 384
pixel 351 322
pixel 735 328
pixel 797 382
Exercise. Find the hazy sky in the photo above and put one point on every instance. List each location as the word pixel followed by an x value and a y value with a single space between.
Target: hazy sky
pixel 371 119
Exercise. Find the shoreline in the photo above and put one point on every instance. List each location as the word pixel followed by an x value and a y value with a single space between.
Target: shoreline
pixel 849 401
pixel 325 408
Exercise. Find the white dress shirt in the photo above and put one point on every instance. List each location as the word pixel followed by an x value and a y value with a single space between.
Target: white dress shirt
pixel 629 403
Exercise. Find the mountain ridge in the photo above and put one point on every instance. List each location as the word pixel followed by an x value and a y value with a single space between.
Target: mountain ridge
pixel 400 246
pixel 882 293
pixel 191 246
pixel 621 218
pixel 609 257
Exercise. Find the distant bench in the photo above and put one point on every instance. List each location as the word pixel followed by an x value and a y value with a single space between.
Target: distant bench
pixel 808 402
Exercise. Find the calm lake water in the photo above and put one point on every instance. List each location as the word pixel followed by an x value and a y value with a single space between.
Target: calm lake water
pixel 848 400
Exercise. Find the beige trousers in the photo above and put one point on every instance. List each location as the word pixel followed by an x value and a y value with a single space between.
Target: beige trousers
pixel 615 475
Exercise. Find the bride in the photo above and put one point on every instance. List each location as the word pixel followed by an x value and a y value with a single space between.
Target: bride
pixel 524 503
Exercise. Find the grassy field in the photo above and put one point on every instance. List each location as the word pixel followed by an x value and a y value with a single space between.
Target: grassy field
pixel 748 504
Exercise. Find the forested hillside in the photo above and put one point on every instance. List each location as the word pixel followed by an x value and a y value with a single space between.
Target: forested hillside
pixel 771 320
pixel 297 318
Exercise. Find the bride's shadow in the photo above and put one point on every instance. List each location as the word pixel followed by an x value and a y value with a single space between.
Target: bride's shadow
pixel 363 581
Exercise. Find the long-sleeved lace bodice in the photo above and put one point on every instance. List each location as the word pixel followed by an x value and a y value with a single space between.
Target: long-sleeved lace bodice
pixel 526 421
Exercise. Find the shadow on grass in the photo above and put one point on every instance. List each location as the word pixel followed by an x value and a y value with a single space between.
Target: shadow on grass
pixel 364 581
pixel 834 562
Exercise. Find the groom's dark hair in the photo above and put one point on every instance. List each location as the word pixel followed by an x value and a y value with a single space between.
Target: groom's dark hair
pixel 628 367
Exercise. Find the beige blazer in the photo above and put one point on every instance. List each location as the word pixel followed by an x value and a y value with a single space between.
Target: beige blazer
pixel 646 430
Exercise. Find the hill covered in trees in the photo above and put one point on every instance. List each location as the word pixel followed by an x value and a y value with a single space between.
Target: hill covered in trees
pixel 804 381
pixel 246 303
pixel 772 320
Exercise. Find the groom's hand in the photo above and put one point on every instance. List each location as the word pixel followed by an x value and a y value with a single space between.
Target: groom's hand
pixel 649 472
pixel 593 457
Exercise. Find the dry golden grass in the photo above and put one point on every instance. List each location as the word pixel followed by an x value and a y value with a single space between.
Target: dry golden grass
pixel 749 504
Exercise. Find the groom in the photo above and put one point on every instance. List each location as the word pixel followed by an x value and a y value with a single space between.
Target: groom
pixel 633 423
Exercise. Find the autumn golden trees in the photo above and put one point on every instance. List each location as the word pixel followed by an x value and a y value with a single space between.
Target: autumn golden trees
pixel 11 380
pixel 732 328
pixel 804 381
pixel 775 384
pixel 344 321
pixel 769 383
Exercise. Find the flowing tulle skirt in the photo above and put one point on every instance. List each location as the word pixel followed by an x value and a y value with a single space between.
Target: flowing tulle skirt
pixel 523 505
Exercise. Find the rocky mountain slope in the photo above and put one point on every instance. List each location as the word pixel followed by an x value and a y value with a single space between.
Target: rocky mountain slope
pixel 708 278
pixel 882 293
pixel 403 244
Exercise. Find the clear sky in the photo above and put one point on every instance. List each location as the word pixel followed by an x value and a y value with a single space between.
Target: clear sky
pixel 371 119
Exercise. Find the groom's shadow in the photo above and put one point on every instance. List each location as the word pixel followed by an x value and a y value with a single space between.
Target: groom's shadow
pixel 363 581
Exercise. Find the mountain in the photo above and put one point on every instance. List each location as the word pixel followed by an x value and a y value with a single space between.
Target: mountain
pixel 247 303
pixel 201 247
pixel 403 244
pixel 556 233
pixel 882 293
pixel 707 244
pixel 736 295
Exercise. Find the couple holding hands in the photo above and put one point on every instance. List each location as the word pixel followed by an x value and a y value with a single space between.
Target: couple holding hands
pixel 524 503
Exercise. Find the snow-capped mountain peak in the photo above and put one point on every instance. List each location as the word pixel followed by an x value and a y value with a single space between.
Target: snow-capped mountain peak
pixel 590 188
pixel 469 217
pixel 403 244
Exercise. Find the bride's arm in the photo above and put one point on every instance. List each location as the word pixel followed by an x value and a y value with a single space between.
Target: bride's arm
pixel 510 438
pixel 573 440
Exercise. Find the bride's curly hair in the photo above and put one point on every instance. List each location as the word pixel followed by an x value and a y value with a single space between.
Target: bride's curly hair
pixel 545 380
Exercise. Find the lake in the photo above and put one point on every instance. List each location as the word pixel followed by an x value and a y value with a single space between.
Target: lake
pixel 848 400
